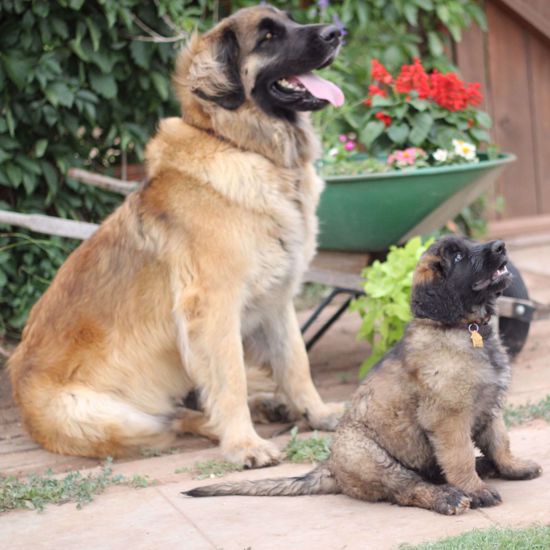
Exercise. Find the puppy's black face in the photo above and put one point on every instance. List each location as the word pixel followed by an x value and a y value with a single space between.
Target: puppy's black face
pixel 458 280
pixel 289 52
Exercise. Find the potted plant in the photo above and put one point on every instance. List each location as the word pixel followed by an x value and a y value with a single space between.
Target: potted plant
pixel 422 155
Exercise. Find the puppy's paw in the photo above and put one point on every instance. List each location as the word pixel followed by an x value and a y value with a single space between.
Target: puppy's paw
pixel 520 469
pixel 327 417
pixel 484 497
pixel 253 453
pixel 451 501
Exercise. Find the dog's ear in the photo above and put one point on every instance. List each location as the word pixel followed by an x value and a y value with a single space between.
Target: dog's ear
pixel 229 94
pixel 431 298
pixel 436 301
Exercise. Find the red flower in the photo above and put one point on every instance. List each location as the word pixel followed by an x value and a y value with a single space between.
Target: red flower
pixel 386 119
pixel 413 77
pixel 375 90
pixel 367 102
pixel 379 72
pixel 451 93
pixel 473 91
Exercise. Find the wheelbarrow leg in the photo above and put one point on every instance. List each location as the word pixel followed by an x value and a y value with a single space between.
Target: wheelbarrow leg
pixel 333 318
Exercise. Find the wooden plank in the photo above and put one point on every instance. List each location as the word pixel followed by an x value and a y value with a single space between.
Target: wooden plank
pixel 471 58
pixel 104 182
pixel 540 102
pixel 512 227
pixel 49 225
pixel 508 69
pixel 535 12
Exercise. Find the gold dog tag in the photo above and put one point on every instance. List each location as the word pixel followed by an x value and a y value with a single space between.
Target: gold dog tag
pixel 477 339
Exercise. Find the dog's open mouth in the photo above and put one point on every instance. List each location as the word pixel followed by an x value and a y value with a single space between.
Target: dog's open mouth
pixel 498 276
pixel 310 84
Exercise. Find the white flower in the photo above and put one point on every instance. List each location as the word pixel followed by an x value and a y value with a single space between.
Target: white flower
pixel 464 149
pixel 333 152
pixel 441 155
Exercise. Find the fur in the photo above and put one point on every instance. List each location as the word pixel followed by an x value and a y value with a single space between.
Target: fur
pixel 409 436
pixel 192 278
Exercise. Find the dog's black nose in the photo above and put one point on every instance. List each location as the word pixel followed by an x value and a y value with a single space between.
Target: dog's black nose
pixel 498 247
pixel 330 33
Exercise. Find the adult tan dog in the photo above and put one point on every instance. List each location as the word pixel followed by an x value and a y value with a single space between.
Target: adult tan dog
pixel 409 434
pixel 193 276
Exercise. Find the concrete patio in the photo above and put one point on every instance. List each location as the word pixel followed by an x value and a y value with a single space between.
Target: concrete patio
pixel 159 517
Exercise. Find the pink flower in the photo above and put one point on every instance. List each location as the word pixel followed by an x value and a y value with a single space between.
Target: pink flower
pixel 343 138
pixel 349 146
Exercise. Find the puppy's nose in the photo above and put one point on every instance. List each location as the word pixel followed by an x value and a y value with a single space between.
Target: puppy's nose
pixel 498 247
pixel 330 33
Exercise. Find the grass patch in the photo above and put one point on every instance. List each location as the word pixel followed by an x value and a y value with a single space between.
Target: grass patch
pixel 36 492
pixel 516 415
pixel 530 538
pixel 211 469
pixel 313 449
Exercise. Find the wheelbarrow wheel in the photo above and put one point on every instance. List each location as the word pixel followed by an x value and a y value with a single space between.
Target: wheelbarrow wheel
pixel 514 332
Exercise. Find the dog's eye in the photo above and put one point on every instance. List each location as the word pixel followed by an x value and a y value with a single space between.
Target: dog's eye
pixel 268 36
pixel 458 257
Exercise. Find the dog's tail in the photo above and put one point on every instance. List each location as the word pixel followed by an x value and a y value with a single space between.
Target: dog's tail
pixel 317 482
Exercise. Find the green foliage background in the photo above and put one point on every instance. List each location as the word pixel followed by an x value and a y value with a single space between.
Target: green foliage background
pixel 81 83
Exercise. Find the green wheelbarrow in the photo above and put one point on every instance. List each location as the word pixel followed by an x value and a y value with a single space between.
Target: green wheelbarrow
pixel 370 212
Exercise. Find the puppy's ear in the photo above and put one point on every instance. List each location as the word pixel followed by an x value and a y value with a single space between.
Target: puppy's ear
pixel 431 298
pixel 229 93
pixel 437 302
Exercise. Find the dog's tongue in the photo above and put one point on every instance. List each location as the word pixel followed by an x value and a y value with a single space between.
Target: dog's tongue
pixel 321 88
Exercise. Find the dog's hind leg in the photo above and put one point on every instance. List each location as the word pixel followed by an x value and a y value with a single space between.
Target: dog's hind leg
pixel 290 364
pixel 77 420
pixel 364 470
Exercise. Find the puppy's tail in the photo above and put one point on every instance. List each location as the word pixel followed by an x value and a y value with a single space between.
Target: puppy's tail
pixel 317 482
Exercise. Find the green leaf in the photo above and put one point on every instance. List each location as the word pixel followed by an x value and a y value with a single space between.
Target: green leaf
pixel 75 4
pixel 398 133
pixel 58 93
pixel 434 43
pixel 4 156
pixel 411 13
pixel 443 13
pixel 14 173
pixel 17 67
pixel 401 110
pixel 29 165
pixel 40 148
pixel 371 131
pixel 161 84
pixel 104 84
pixel 483 119
pixel 480 135
pixel 424 4
pixel 141 53
pixel 381 101
pixel 95 33
pixel 419 104
pixel 422 124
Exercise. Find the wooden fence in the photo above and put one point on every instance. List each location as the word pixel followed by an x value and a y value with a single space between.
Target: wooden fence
pixel 512 62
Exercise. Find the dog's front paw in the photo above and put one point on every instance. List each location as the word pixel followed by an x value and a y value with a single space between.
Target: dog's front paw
pixel 253 453
pixel 484 497
pixel 451 501
pixel 327 417
pixel 520 469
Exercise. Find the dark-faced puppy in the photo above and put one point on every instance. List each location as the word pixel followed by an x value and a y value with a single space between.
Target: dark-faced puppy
pixel 410 434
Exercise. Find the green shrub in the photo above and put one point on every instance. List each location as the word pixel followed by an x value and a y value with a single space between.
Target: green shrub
pixel 385 308
pixel 80 83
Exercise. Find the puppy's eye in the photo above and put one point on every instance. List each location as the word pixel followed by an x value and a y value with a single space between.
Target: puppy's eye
pixel 268 36
pixel 458 257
